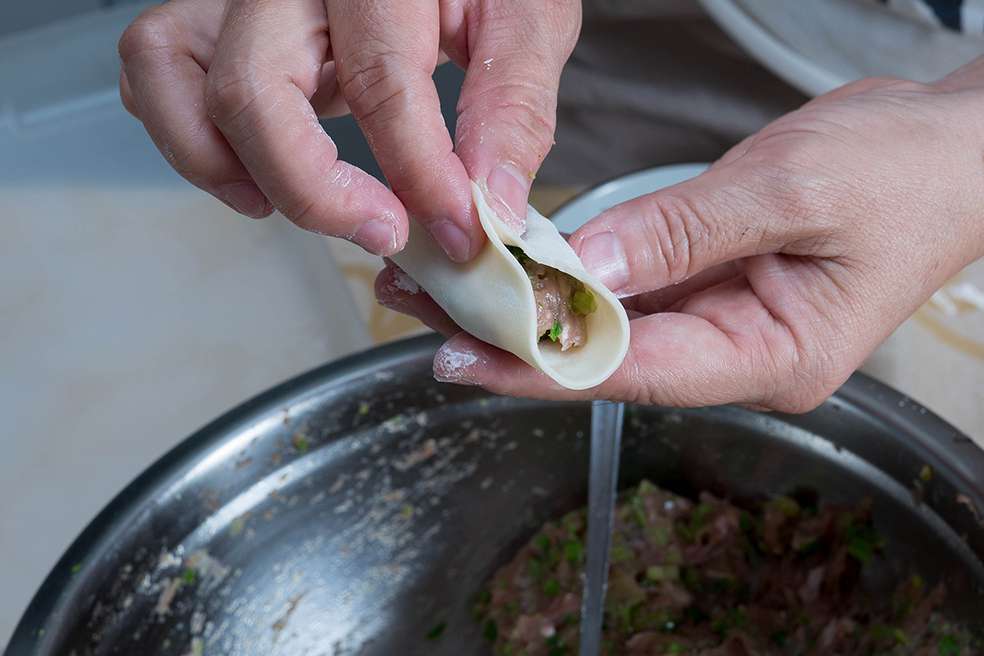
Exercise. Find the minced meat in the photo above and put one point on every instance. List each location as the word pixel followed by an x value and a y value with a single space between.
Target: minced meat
pixel 562 303
pixel 712 579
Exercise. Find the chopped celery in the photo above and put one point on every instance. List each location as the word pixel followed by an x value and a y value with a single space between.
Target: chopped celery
pixel 583 302
pixel 554 332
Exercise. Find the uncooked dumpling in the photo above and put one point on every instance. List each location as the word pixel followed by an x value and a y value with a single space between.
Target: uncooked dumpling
pixel 578 335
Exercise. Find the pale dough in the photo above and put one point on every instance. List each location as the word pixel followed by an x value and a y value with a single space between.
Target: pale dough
pixel 491 296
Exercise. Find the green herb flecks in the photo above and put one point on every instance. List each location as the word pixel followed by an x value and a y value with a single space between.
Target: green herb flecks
pixel 437 631
pixel 583 302
pixel 948 646
pixel 301 443
pixel 863 541
pixel 189 576
pixel 888 635
pixel 573 551
pixel 557 646
pixel 691 527
pixel 786 505
pixel 518 253
pixel 620 553
pixel 732 619
pixel 554 332
pixel 663 573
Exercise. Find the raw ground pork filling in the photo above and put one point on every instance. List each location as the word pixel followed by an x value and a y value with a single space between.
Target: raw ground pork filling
pixel 713 579
pixel 562 303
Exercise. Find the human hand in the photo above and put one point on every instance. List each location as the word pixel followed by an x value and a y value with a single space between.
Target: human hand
pixel 230 92
pixel 771 277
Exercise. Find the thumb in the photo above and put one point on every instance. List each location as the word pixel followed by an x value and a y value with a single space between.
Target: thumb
pixel 668 236
pixel 508 103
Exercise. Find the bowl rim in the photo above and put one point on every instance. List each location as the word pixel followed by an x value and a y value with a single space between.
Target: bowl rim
pixel 872 398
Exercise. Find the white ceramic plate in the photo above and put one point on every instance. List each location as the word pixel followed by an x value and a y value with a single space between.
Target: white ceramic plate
pixel 588 205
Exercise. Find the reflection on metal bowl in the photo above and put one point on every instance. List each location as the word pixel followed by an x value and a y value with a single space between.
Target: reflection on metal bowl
pixel 352 509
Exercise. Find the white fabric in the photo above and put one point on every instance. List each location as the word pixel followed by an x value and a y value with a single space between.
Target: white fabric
pixel 853 39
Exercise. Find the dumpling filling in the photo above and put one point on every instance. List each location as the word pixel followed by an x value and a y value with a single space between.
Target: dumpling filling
pixel 562 303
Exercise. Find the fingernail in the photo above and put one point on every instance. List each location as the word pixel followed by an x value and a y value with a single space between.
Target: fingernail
pixel 511 187
pixel 246 198
pixel 452 239
pixel 390 303
pixel 394 288
pixel 378 236
pixel 602 255
pixel 456 363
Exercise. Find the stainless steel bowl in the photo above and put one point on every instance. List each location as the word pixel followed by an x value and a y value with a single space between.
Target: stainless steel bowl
pixel 352 509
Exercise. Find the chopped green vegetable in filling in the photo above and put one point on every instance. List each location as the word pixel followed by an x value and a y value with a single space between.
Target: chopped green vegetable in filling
pixel 562 302
pixel 709 578
pixel 583 302
pixel 437 631
pixel 948 646
pixel 490 630
pixel 189 576
pixel 554 332
pixel 518 253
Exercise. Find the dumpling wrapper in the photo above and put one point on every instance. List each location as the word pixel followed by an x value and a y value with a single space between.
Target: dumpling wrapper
pixel 491 296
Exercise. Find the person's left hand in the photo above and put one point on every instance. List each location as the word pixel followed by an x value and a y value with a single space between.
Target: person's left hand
pixel 230 92
pixel 771 277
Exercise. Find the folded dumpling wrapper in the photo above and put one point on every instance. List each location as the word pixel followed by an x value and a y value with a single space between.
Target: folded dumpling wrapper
pixel 491 296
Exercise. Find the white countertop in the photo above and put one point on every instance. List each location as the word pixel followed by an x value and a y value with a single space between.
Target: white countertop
pixel 133 307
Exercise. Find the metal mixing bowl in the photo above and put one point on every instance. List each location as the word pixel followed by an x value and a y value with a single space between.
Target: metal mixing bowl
pixel 352 509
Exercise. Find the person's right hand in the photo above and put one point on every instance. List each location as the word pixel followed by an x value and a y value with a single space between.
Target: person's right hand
pixel 230 91
pixel 771 277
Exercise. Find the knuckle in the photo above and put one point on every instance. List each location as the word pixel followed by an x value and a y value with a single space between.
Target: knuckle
pixel 887 83
pixel 184 163
pixel 302 212
pixel 128 101
pixel 372 81
pixel 152 30
pixel 672 233
pixel 550 27
pixel 524 111
pixel 565 17
pixel 534 122
pixel 796 199
pixel 185 159
pixel 910 86
pixel 231 91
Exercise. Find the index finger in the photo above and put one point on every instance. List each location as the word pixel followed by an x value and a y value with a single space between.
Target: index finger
pixel 385 52
pixel 266 67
